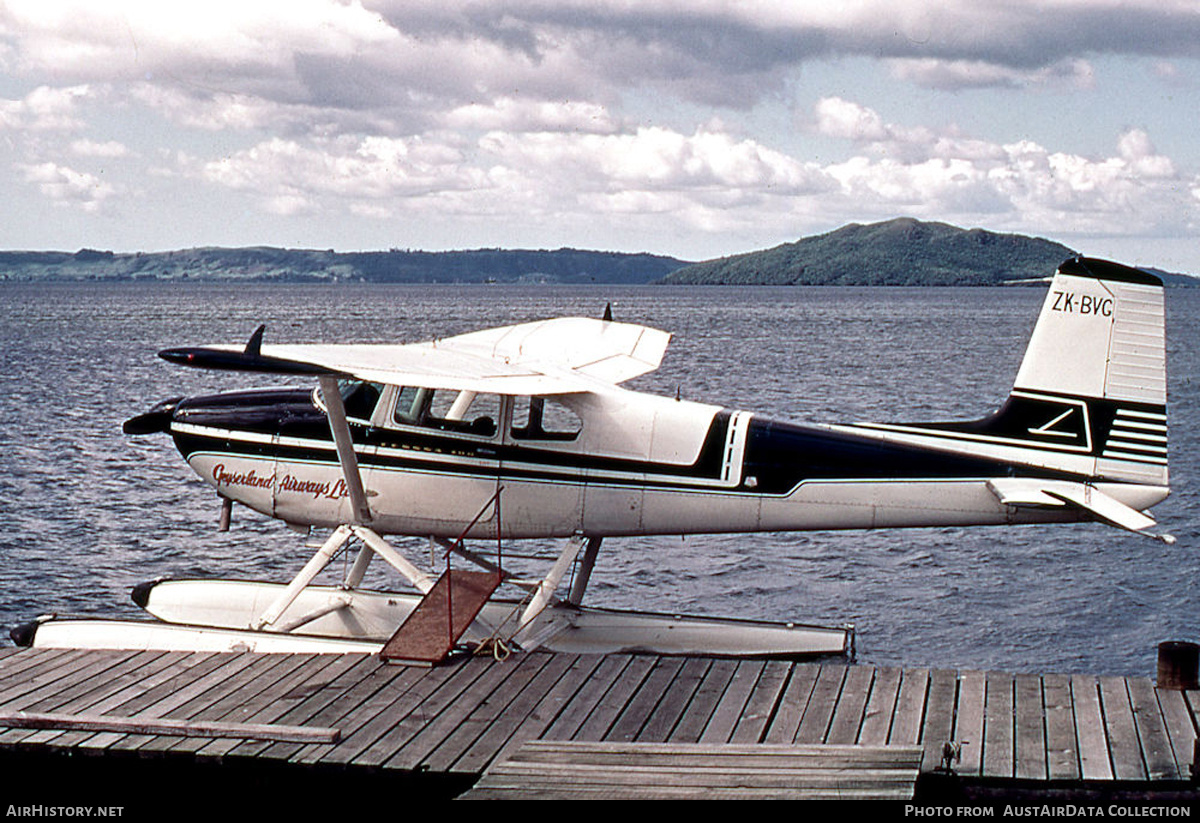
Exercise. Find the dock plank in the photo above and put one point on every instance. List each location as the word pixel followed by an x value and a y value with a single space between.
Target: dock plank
pixel 543 715
pixel 610 705
pixel 704 702
pixel 177 704
pixel 968 730
pixel 139 683
pixel 17 668
pixel 574 714
pixel 761 705
pixel 1062 749
pixel 471 713
pixel 698 771
pixel 1182 732
pixel 792 704
pixel 998 741
pixel 1030 730
pixel 212 703
pixel 939 717
pixel 1094 761
pixel 99 695
pixel 821 704
pixel 725 717
pixel 1157 755
pixel 676 700
pixel 411 719
pixel 851 706
pixel 910 708
pixel 268 687
pixel 644 700
pixel 877 720
pixel 56 676
pixel 1122 731
pixel 189 671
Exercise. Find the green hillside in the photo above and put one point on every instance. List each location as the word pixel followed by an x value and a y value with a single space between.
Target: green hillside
pixel 901 252
pixel 261 263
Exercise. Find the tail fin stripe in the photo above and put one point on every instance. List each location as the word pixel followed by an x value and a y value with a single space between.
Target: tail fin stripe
pixel 1134 447
pixel 1142 414
pixel 1132 435
pixel 1134 458
pixel 1157 428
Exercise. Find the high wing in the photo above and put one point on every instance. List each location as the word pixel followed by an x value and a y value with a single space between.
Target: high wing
pixel 560 356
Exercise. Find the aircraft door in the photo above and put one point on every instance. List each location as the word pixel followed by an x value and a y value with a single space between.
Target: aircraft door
pixel 542 472
pixel 439 459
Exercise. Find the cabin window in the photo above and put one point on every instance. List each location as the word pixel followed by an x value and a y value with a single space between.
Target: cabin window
pixel 360 398
pixel 540 418
pixel 447 410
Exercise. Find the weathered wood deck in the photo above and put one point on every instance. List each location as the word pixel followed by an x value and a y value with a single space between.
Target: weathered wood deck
pixel 460 717
pixel 578 770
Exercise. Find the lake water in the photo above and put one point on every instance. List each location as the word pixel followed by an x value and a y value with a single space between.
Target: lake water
pixel 86 512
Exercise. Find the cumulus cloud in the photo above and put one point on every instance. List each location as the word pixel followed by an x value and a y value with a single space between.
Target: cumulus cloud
pixel 1023 185
pixel 291 177
pixel 45 109
pixel 508 114
pixel 92 148
pixel 68 187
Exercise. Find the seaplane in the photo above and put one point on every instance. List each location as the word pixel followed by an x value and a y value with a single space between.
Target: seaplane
pixel 525 431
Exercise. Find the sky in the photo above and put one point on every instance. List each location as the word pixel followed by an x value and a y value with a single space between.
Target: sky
pixel 691 128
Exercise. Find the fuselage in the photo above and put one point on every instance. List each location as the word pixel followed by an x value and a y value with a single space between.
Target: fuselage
pixel 605 463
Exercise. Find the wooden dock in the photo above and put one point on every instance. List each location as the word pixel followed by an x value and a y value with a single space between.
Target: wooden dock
pixel 459 718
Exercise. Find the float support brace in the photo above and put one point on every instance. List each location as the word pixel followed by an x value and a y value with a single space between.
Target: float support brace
pixel 311 569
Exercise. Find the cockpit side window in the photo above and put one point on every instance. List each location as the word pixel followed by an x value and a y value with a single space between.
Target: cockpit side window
pixel 541 418
pixel 455 411
pixel 360 398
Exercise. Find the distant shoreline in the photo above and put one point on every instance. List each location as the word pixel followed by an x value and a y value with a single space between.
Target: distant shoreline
pixel 899 252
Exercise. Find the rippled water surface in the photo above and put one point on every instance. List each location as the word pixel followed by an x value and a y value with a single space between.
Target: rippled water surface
pixel 86 512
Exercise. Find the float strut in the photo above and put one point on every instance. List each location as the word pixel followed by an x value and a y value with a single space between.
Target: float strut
pixel 584 573
pixel 311 569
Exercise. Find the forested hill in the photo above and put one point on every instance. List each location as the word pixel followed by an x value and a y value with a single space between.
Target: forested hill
pixel 901 252
pixel 259 263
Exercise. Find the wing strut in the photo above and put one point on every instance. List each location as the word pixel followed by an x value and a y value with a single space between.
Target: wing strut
pixel 336 412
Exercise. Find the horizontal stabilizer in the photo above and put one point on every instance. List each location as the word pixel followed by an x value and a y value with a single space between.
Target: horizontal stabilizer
pixel 1019 491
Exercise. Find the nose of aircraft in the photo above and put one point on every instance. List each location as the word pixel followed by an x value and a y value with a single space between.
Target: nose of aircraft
pixel 158 419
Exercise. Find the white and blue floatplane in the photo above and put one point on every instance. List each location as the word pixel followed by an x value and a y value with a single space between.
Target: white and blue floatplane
pixel 525 432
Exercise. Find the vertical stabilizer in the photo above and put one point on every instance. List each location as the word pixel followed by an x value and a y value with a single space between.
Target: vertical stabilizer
pixel 1100 334
pixel 1098 353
